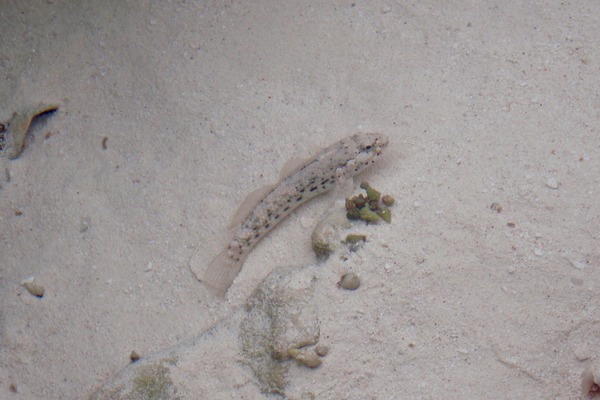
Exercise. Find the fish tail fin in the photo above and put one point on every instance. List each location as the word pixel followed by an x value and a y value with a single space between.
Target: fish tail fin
pixel 221 272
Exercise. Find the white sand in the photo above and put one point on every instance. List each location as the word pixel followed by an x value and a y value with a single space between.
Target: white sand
pixel 484 102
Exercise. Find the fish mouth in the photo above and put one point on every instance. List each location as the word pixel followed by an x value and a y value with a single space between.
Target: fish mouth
pixel 380 143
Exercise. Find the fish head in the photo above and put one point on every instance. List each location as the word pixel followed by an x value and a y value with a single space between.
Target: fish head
pixel 359 152
pixel 368 148
pixel 370 143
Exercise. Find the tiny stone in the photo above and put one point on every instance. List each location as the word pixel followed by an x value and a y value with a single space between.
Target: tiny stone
pixel 552 183
pixel 386 9
pixel 350 205
pixel 496 207
pixel 577 264
pixel 134 356
pixel 349 281
pixel 388 200
pixel 32 287
pixel 354 238
pixel 577 281
pixel 321 350
pixel 581 352
pixel 309 360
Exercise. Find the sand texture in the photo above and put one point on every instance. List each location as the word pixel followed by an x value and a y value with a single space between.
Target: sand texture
pixel 486 284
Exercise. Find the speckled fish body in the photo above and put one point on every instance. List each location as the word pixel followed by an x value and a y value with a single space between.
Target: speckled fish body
pixel 341 160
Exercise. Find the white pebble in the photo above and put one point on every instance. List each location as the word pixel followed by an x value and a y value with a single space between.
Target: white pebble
pixel 349 281
pixel 32 287
pixel 578 264
pixel 552 183
pixel 386 9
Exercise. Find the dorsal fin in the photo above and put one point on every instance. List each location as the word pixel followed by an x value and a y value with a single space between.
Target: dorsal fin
pixel 295 164
pixel 248 204
pixel 292 166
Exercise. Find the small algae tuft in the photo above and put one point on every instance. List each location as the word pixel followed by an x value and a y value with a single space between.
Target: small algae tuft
pixel 372 194
pixel 325 237
pixel 385 214
pixel 371 208
pixel 355 241
pixel 279 317
pixel 354 238
pixel 368 215
pixel 153 383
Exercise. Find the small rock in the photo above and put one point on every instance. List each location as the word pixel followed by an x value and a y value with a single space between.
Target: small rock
pixel 578 264
pixel 349 281
pixel 552 183
pixel 321 350
pixel 32 287
pixel 388 200
pixel 134 356
pixel 311 360
pixel 577 281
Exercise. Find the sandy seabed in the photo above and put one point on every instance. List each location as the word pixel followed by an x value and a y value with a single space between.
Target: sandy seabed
pixel 172 111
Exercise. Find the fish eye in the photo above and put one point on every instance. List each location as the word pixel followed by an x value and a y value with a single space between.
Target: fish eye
pixel 368 147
